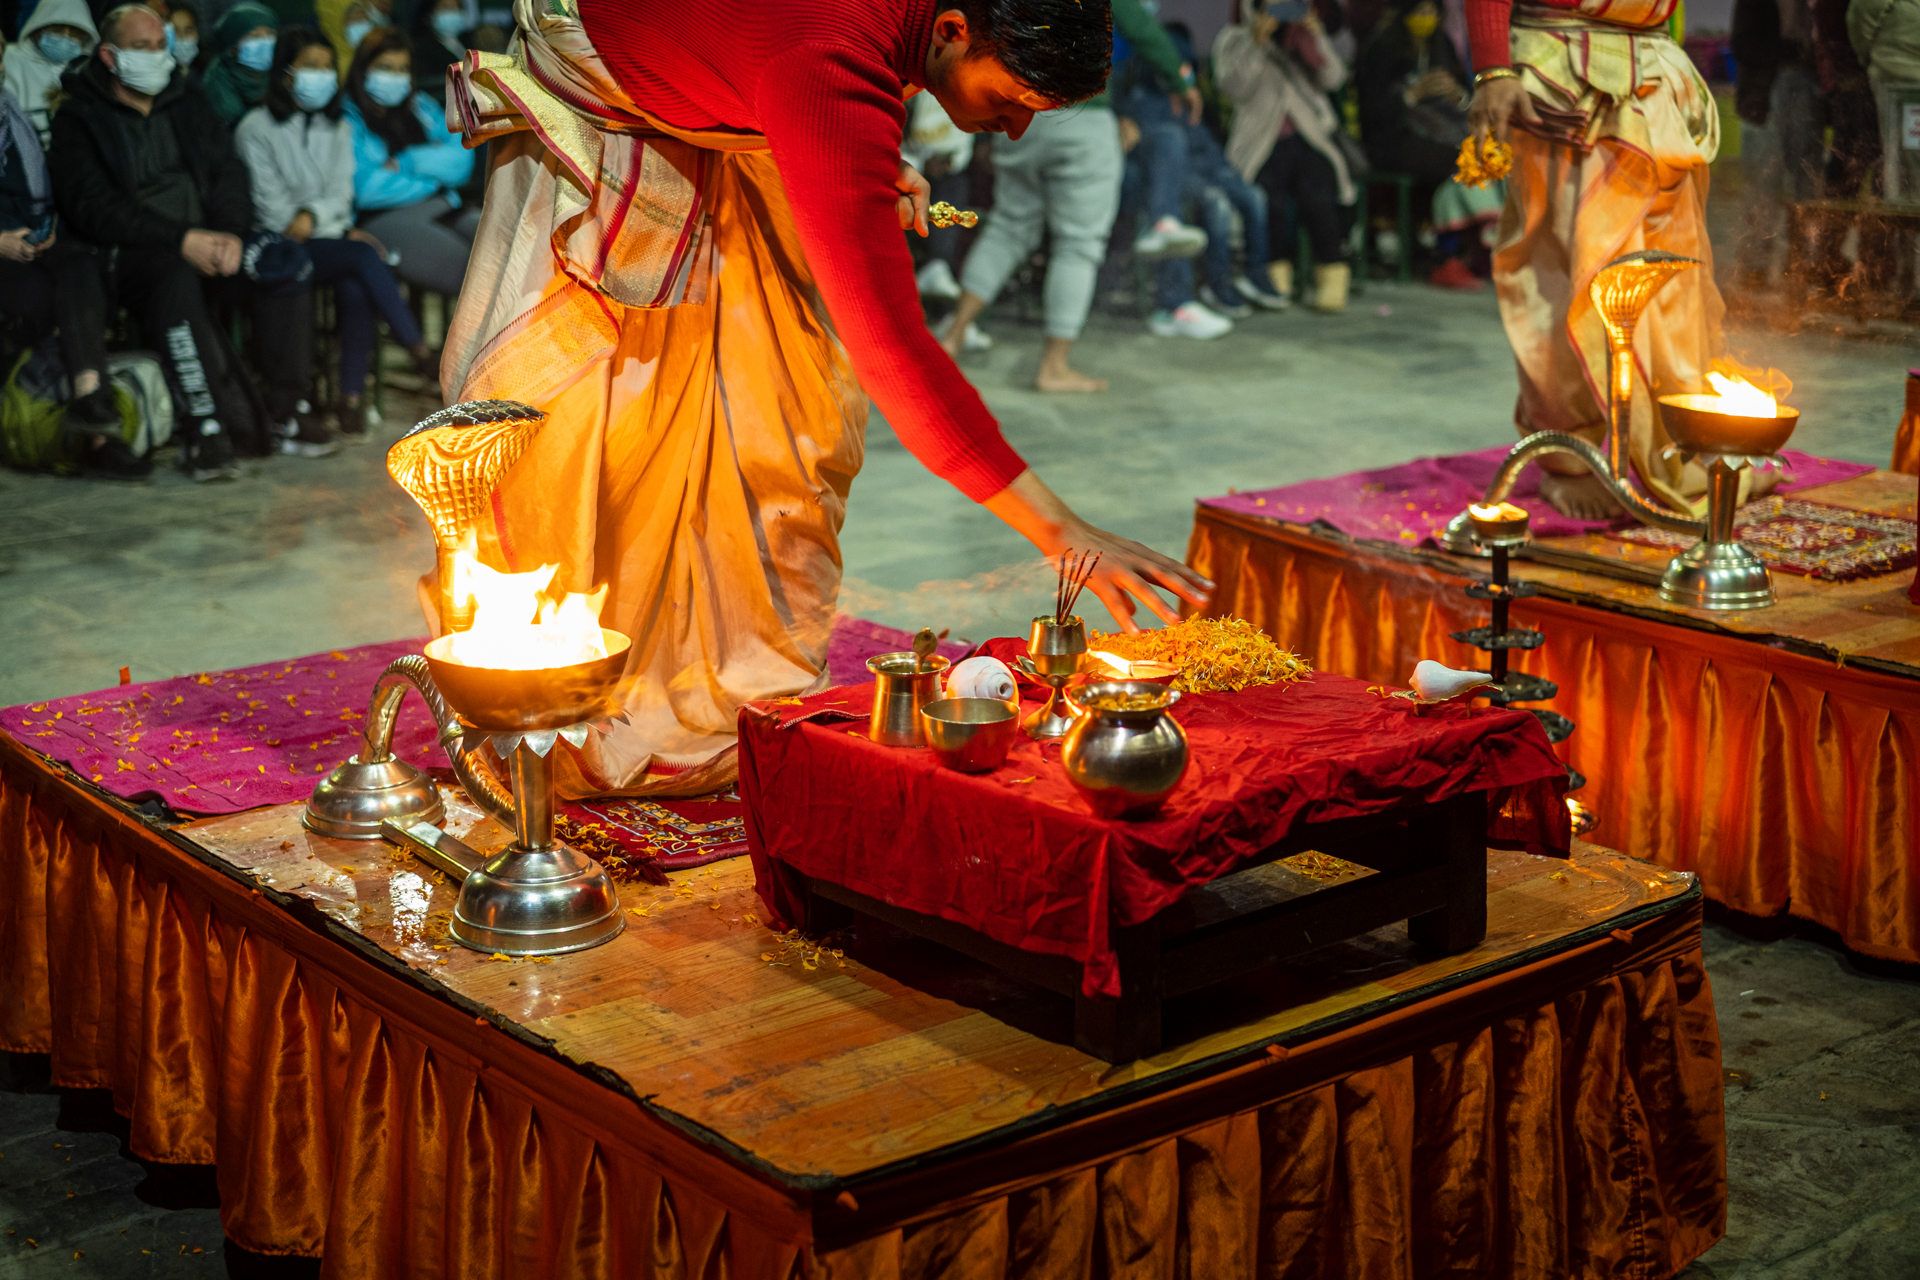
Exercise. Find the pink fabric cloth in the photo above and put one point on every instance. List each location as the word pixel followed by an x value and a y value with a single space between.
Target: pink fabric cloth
pixel 1411 503
pixel 224 741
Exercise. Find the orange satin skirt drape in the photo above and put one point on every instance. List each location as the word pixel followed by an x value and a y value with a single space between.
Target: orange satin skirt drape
pixel 1562 1119
pixel 1784 782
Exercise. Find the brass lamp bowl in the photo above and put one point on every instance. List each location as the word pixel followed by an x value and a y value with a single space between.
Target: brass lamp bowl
pixel 1695 425
pixel 544 698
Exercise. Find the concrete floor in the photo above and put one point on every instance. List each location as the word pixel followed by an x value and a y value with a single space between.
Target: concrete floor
pixel 303 556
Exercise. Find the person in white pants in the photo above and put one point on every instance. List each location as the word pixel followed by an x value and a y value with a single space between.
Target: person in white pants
pixel 1061 176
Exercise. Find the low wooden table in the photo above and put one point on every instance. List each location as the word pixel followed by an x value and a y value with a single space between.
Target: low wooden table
pixel 1770 751
pixel 1424 863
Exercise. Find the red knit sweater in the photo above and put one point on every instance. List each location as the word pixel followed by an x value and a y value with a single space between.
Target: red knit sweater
pixel 1487 30
pixel 822 80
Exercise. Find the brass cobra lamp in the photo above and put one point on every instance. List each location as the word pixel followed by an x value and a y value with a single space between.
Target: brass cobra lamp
pixel 537 896
pixel 451 463
pixel 1620 293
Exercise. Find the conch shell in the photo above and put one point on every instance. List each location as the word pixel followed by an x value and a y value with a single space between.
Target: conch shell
pixel 1435 683
pixel 981 677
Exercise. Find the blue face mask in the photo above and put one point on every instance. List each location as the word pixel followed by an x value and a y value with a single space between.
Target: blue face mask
pixel 449 23
pixel 356 32
pixel 255 53
pixel 59 49
pixel 314 87
pixel 389 88
pixel 184 51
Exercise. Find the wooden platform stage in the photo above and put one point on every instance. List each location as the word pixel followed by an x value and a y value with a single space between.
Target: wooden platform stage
pixel 286 1006
pixel 1774 751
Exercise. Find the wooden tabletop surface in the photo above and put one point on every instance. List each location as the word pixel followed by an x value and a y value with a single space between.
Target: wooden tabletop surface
pixel 1869 620
pixel 820 1063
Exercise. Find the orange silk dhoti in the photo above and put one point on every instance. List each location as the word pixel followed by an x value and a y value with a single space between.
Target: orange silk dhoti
pixel 1618 164
pixel 698 450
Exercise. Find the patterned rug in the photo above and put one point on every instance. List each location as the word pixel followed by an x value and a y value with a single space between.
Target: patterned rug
pixel 1833 544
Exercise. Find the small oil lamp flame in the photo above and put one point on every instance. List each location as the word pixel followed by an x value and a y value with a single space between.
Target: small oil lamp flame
pixel 1738 398
pixel 1118 664
pixel 517 626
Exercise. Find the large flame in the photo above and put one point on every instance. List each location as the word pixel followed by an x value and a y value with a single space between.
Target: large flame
pixel 517 626
pixel 1741 398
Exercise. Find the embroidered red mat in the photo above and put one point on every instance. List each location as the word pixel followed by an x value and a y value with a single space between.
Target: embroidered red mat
pixel 1833 544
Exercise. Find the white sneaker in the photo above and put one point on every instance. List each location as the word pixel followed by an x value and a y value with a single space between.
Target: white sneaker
pixel 936 280
pixel 974 340
pixel 1189 320
pixel 1170 238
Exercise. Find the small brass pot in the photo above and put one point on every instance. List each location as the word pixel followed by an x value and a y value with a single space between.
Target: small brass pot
pixel 972 735
pixel 1125 763
pixel 902 685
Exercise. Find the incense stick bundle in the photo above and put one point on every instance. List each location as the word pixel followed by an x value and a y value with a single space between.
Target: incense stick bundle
pixel 1072 581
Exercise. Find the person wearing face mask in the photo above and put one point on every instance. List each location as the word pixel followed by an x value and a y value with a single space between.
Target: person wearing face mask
pixel 48 284
pixel 242 49
pixel 348 22
pixel 144 173
pixel 1413 118
pixel 438 28
pixel 408 168
pixel 183 24
pixel 299 151
pixel 58 33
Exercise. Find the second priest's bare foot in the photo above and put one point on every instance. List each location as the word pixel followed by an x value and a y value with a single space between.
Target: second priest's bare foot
pixel 1068 379
pixel 1582 497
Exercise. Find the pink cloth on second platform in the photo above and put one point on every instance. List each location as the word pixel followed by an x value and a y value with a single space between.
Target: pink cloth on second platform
pixel 224 741
pixel 1412 503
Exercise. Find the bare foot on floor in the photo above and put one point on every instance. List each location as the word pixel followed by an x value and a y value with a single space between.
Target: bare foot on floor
pixel 1763 482
pixel 1582 497
pixel 1066 378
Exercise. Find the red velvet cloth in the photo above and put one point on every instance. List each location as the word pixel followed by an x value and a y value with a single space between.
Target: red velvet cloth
pixel 1018 856
pixel 823 81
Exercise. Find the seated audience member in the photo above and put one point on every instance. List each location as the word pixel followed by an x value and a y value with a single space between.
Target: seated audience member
pixel 183 39
pixel 299 153
pixel 143 167
pixel 240 55
pixel 348 22
pixel 1777 97
pixel 46 285
pixel 438 26
pixel 55 35
pixel 1278 70
pixel 407 167
pixel 1413 118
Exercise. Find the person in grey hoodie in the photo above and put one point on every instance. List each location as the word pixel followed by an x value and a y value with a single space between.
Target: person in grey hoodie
pixel 57 35
pixel 299 157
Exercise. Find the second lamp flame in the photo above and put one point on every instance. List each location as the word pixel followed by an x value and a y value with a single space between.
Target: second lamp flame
pixel 517 626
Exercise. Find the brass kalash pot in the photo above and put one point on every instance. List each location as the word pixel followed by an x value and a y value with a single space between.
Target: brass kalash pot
pixel 535 897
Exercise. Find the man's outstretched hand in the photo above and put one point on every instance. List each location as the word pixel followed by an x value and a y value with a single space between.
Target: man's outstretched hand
pixel 1496 105
pixel 1127 570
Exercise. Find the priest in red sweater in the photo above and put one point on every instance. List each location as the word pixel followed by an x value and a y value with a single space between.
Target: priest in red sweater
pixel 1612 132
pixel 691 258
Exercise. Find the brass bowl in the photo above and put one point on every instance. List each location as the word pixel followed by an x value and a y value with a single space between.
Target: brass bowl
pixel 544 698
pixel 1698 428
pixel 1054 647
pixel 972 735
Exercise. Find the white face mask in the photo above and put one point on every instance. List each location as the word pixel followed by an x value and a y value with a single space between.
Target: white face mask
pixel 143 70
pixel 314 87
pixel 185 51
pixel 389 88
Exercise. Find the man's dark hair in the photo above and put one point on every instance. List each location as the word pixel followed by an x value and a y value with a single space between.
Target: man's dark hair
pixel 1061 49
pixel 293 42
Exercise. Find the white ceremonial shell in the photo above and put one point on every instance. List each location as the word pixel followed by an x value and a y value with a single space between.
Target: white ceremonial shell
pixel 981 677
pixel 1435 683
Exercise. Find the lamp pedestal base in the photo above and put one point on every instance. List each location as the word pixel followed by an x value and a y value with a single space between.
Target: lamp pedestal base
pixel 1719 572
